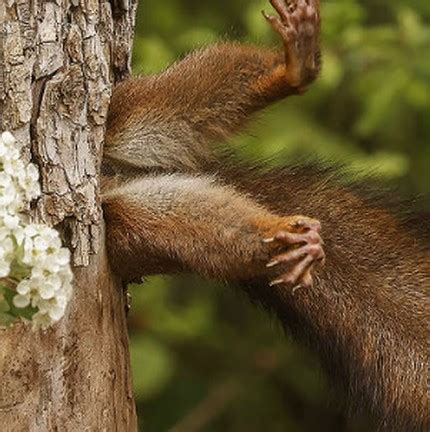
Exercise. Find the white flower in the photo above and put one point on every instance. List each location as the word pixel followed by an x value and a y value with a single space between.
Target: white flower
pixel 11 221
pixel 63 257
pixel 14 168
pixel 16 206
pixel 6 256
pixel 40 244
pixel 28 180
pixel 3 149
pixel 41 320
pixel 8 192
pixel 66 275
pixel 24 287
pixel 47 266
pixel 51 237
pixel 5 180
pixel 4 268
pixel 9 153
pixel 4 232
pixel 28 257
pixel 27 289
pixel 56 312
pixel 50 286
pixel 31 230
pixel 66 290
pixel 52 307
pixel 47 290
pixel 8 139
pixel 8 147
pixel 18 234
pixel 30 252
pixel 21 301
pixel 6 247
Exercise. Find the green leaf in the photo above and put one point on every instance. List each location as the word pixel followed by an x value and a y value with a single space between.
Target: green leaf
pixel 13 311
pixel 6 319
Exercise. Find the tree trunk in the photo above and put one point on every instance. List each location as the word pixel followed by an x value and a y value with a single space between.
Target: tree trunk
pixel 58 62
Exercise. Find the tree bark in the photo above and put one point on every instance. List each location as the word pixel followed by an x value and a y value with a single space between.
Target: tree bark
pixel 58 62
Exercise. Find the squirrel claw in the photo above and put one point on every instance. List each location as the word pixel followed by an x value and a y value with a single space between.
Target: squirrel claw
pixel 276 282
pixel 304 251
pixel 269 240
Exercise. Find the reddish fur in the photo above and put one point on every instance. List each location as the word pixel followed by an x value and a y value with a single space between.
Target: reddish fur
pixel 194 232
pixel 367 314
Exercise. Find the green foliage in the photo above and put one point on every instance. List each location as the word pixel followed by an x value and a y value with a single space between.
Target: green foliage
pixel 6 317
pixel 8 312
pixel 152 364
pixel 370 110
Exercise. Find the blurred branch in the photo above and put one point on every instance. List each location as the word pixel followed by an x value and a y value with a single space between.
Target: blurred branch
pixel 263 362
pixel 209 408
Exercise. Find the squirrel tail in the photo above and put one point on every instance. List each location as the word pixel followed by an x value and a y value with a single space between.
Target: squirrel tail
pixel 368 313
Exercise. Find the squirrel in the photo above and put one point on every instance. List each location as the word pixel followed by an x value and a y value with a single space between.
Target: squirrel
pixel 360 299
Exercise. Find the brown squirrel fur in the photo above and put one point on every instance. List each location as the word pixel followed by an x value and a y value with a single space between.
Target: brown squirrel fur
pixel 170 206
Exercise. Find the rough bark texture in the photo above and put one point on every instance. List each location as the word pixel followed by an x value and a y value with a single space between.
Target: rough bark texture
pixel 58 62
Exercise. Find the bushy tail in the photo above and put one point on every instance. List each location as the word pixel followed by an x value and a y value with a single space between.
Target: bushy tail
pixel 368 314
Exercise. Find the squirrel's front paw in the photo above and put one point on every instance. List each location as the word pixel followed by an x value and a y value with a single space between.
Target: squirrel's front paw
pixel 298 246
pixel 298 24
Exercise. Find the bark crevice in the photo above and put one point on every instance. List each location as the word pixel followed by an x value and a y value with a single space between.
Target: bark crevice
pixel 58 63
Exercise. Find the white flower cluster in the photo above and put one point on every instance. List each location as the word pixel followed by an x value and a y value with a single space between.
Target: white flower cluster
pixel 31 256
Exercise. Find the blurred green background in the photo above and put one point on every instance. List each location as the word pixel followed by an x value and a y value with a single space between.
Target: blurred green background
pixel 203 358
